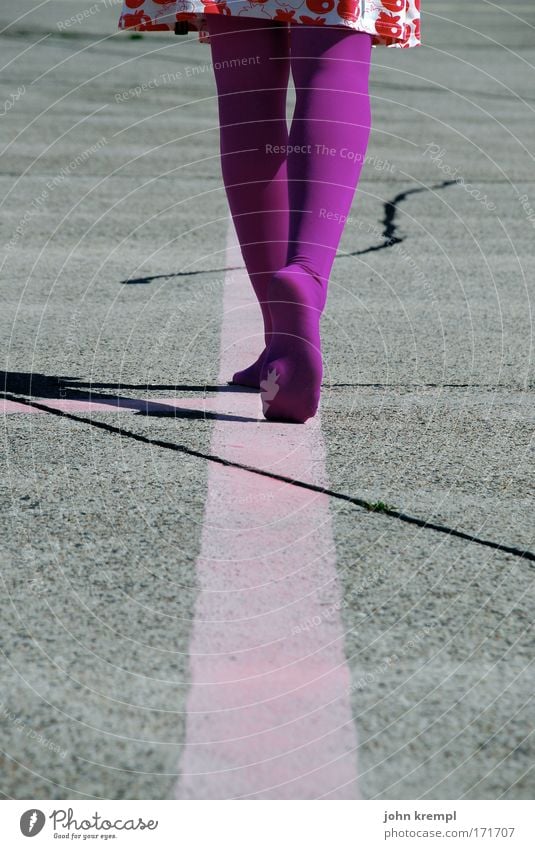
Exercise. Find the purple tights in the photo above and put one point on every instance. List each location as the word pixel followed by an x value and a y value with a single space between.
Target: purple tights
pixel 290 193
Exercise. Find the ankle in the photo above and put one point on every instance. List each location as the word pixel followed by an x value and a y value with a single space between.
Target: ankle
pixel 296 284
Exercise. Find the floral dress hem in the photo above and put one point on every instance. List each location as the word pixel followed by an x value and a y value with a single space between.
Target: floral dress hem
pixel 391 23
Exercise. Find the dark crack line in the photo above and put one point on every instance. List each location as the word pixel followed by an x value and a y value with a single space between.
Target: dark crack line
pixel 149 279
pixel 389 220
pixel 389 235
pixel 340 496
pixel 492 387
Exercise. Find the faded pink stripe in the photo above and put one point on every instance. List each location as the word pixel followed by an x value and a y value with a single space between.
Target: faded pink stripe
pixel 129 405
pixel 268 711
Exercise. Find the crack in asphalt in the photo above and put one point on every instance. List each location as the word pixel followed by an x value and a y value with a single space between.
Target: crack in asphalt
pixel 389 234
pixel 149 279
pixel 391 238
pixel 524 554
pixel 389 223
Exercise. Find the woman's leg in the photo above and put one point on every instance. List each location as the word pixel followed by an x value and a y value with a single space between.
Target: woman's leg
pixel 327 145
pixel 251 66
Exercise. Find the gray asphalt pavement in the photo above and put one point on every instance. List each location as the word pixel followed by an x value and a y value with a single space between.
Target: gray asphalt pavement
pixel 113 234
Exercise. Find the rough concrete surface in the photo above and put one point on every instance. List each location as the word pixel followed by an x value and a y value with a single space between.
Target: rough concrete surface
pixel 113 289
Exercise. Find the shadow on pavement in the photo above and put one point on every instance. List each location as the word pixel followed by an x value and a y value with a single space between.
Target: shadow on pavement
pixel 64 388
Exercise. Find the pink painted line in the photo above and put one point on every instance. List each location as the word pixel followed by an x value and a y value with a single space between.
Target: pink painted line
pixel 268 710
pixel 120 405
pixel 7 407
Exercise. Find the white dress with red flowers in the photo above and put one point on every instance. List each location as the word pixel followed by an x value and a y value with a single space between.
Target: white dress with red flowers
pixel 392 23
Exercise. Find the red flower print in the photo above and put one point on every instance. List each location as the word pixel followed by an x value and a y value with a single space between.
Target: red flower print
pixel 136 19
pixel 348 9
pixel 320 7
pixel 394 5
pixel 311 21
pixel 388 25
pixel 282 15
